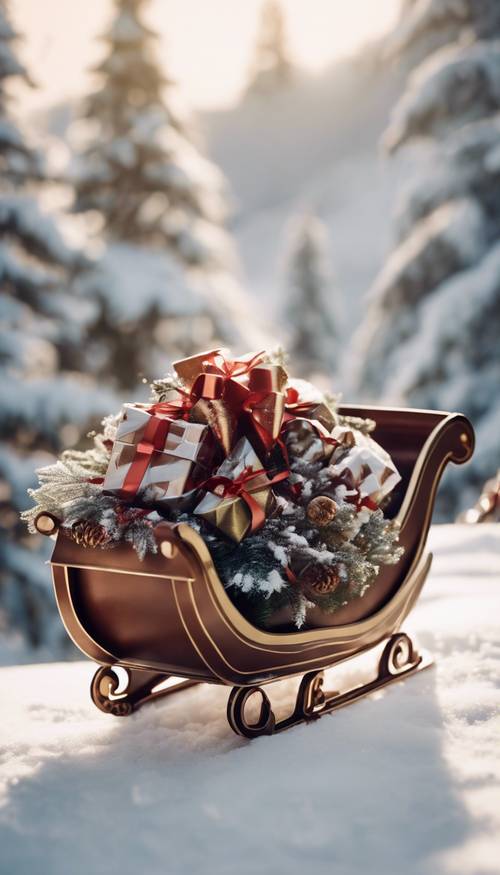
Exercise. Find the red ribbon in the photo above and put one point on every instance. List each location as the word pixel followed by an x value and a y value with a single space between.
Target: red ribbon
pixel 232 368
pixel 178 409
pixel 367 502
pixel 127 515
pixel 327 439
pixel 320 429
pixel 153 439
pixel 265 386
pixel 346 479
pixel 212 387
pixel 229 371
pixel 292 577
pixel 220 378
pixel 208 386
pixel 241 487
pixel 295 409
pixel 266 437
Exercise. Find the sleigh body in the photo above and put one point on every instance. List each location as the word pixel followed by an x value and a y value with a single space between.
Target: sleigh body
pixel 170 615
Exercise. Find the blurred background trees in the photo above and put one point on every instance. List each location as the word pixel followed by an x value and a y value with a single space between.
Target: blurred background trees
pixel 272 68
pixel 43 405
pixel 310 300
pixel 271 220
pixel 430 337
pixel 160 206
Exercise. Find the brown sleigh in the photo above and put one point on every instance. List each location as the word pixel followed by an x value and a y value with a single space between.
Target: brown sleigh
pixel 170 615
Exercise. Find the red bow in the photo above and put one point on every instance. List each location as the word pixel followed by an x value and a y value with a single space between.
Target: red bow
pixel 153 439
pixel 265 403
pixel 346 479
pixel 263 420
pixel 223 376
pixel 231 368
pixel 295 409
pixel 177 408
pixel 242 487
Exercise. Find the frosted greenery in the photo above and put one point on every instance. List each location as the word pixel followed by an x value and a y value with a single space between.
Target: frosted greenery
pixel 356 543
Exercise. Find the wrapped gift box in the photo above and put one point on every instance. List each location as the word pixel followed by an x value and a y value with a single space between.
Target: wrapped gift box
pixel 368 465
pixel 239 483
pixel 157 459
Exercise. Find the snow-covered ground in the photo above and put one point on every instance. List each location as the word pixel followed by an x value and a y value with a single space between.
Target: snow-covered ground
pixel 406 781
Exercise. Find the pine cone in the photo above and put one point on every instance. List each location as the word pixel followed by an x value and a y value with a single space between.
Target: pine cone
pixel 321 510
pixel 320 579
pixel 88 534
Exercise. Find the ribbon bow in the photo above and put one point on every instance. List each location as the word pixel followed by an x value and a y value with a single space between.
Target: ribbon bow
pixel 265 403
pixel 153 439
pixel 215 362
pixel 222 378
pixel 242 486
pixel 230 369
pixel 294 406
pixel 296 409
pixel 259 395
pixel 175 408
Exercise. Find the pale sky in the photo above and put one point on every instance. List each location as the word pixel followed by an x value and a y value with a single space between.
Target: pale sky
pixel 206 44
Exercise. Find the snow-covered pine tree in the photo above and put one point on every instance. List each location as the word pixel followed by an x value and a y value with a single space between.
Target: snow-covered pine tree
pixel 271 68
pixel 430 336
pixel 310 307
pixel 41 331
pixel 427 25
pixel 161 205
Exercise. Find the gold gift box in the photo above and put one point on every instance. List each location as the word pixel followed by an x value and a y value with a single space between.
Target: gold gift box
pixel 231 514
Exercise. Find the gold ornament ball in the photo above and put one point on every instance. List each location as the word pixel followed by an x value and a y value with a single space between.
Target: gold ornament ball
pixel 321 510
pixel 320 579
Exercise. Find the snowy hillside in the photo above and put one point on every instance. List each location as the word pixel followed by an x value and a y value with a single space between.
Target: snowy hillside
pixel 406 781
pixel 313 146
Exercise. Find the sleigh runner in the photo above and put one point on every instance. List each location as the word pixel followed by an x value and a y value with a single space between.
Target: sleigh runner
pixel 170 616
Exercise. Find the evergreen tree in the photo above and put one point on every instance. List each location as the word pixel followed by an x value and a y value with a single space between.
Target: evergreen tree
pixel 271 67
pixel 310 304
pixel 427 25
pixel 142 175
pixel 431 332
pixel 41 331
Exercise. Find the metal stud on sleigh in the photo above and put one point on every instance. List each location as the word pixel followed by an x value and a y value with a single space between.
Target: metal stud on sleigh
pixel 170 615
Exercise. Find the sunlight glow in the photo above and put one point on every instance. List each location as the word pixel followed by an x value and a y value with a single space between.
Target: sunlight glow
pixel 206 44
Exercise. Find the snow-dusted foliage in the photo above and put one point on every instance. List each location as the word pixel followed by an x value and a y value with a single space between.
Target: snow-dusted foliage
pixel 161 205
pixel 309 300
pixel 457 84
pixel 453 174
pixel 42 330
pixel 152 310
pixel 430 336
pixel 434 23
pixel 139 169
